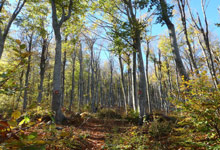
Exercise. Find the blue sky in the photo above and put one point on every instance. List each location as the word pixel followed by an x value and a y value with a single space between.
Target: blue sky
pixel 211 12
pixel 212 15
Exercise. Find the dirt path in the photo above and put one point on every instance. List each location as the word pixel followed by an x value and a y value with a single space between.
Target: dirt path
pixel 97 130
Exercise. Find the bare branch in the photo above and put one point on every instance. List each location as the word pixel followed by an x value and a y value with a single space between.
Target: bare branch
pixel 12 18
pixel 64 17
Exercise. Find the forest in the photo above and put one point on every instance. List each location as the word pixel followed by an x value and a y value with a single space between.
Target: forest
pixel 109 75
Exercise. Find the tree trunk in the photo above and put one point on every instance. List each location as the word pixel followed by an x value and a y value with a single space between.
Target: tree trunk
pixel 44 54
pixel 92 78
pixel 73 80
pixel 123 83
pixel 172 34
pixel 111 83
pixel 88 85
pixel 27 73
pixel 56 101
pixel 80 77
pixel 181 5
pixel 142 83
pixel 147 78
pixel 63 78
pixel 130 103
pixel 20 88
pixel 2 44
pixel 134 82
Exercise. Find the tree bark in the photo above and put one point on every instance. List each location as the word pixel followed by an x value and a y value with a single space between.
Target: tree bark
pixel 44 54
pixel 73 80
pixel 80 77
pixel 123 84
pixel 27 73
pixel 20 88
pixel 63 78
pixel 147 79
pixel 181 5
pixel 172 34
pixel 56 100
pixel 134 83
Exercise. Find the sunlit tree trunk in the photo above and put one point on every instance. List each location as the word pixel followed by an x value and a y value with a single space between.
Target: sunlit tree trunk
pixel 123 83
pixel 56 100
pixel 147 78
pixel 174 45
pixel 181 5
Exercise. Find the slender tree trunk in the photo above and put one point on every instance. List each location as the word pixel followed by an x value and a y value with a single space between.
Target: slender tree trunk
pixel 63 79
pixel 169 75
pixel 97 83
pixel 20 88
pixel 147 78
pixel 44 54
pixel 134 83
pixel 123 83
pixel 92 78
pixel 181 5
pixel 130 103
pixel 49 88
pixel 27 74
pixel 73 80
pixel 209 65
pixel 111 83
pixel 80 77
pixel 161 92
pixel 88 85
pixel 2 44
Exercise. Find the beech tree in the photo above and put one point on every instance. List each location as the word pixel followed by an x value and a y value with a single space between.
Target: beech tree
pixel 57 23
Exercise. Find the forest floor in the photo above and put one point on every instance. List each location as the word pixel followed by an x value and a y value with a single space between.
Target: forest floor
pixel 87 134
pixel 97 130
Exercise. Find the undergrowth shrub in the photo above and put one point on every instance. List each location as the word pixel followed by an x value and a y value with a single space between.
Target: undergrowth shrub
pixel 200 113
pixel 133 139
pixel 132 116
pixel 107 113
pixel 159 129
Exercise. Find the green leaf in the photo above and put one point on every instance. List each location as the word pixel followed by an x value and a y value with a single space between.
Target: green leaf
pixel 32 136
pixel 12 123
pixel 22 46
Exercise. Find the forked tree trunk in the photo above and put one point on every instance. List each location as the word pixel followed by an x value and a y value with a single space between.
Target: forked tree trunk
pixel 56 100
